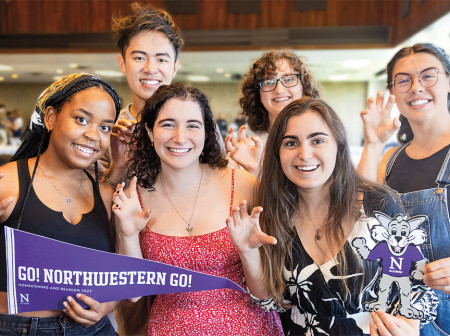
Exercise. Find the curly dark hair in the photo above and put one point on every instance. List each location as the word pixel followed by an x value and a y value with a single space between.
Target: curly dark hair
pixel 145 19
pixel 145 162
pixel 405 133
pixel 264 68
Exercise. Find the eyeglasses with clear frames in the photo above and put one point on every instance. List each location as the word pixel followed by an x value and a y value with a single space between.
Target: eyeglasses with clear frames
pixel 427 78
pixel 287 81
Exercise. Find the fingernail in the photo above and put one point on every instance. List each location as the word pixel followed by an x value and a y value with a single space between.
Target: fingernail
pixel 69 299
pixel 78 295
pixel 65 304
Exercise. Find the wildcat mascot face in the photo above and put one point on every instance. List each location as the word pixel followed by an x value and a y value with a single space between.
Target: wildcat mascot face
pixel 398 232
pixel 401 259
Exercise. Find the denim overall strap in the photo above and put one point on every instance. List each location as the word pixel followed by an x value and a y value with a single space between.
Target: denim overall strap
pixel 443 178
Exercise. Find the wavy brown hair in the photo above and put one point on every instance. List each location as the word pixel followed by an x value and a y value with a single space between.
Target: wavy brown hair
pixel 265 68
pixel 405 133
pixel 281 201
pixel 145 162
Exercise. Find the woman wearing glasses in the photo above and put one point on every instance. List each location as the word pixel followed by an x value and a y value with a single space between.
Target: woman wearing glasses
pixel 275 80
pixel 418 80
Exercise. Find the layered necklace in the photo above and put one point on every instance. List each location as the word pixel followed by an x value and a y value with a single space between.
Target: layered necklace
pixel 188 227
pixel 68 197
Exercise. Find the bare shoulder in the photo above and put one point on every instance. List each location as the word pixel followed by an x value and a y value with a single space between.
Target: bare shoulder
pixel 9 187
pixel 10 174
pixel 244 187
pixel 383 165
pixel 244 179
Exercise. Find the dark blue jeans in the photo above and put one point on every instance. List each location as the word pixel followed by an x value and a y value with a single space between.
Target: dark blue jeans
pixel 13 325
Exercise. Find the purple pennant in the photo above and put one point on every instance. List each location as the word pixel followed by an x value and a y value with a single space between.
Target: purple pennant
pixel 42 272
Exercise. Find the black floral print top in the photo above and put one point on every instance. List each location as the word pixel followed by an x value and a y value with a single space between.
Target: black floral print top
pixel 321 305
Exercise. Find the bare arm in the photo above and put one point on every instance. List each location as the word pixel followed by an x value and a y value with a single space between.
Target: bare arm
pixel 378 128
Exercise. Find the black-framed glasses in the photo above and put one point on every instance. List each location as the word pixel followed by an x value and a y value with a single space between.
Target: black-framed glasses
pixel 287 81
pixel 427 78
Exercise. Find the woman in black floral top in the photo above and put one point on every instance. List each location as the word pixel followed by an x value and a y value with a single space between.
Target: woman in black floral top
pixel 297 255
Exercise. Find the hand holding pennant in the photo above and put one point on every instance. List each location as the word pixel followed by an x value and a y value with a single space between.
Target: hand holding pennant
pixel 42 272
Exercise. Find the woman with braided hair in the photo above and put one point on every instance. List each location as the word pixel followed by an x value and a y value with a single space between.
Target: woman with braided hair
pixel 46 191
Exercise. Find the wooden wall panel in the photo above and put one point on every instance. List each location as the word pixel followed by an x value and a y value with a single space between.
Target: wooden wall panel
pixel 94 16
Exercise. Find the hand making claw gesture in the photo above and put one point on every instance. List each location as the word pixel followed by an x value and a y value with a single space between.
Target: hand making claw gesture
pixel 247 152
pixel 378 125
pixel 245 230
pixel 130 218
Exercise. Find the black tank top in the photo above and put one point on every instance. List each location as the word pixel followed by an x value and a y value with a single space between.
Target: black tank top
pixel 92 231
pixel 409 175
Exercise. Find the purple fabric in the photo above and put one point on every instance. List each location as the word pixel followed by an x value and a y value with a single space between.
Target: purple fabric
pixel 42 272
pixel 397 266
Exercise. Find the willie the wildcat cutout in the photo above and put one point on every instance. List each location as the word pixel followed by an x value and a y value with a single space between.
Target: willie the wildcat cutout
pixel 397 247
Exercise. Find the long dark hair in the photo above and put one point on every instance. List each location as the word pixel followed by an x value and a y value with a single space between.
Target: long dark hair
pixel 281 200
pixel 145 162
pixel 405 133
pixel 263 68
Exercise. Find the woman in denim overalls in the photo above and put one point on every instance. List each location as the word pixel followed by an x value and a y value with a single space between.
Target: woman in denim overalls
pixel 418 80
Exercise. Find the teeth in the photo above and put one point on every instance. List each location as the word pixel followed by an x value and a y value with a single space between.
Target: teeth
pixel 419 102
pixel 150 81
pixel 307 168
pixel 84 149
pixel 281 99
pixel 179 151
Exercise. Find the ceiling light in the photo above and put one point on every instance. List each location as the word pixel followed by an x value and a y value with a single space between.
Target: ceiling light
pixel 73 65
pixel 15 76
pixel 355 63
pixel 336 78
pixel 227 75
pixel 219 70
pixel 59 71
pixel 2 78
pixel 5 67
pixel 198 78
pixel 108 73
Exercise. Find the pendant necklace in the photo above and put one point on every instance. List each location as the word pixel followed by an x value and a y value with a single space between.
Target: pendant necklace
pixel 188 227
pixel 68 197
pixel 317 233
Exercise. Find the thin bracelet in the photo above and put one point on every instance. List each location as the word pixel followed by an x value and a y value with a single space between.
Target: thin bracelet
pixel 107 180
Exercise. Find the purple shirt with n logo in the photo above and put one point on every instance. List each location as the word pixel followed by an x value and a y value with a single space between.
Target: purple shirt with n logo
pixel 397 266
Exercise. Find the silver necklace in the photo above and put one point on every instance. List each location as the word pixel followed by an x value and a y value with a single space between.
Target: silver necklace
pixel 68 197
pixel 188 227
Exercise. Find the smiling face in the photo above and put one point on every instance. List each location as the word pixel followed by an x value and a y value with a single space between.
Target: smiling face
pixel 422 104
pixel 149 62
pixel 274 101
pixel 178 134
pixel 80 132
pixel 308 152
